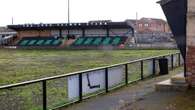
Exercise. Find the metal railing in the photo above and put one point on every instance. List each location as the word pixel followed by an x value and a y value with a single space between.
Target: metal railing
pixel 44 81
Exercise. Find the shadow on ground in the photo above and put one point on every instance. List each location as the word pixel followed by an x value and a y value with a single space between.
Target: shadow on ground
pixel 163 101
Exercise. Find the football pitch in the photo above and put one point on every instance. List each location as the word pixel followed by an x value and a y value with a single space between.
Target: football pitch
pixel 24 65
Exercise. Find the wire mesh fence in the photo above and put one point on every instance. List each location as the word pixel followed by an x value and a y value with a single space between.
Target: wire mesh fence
pixel 134 72
pixel 27 97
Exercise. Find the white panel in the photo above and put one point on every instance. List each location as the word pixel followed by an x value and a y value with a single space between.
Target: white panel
pixel 150 67
pixel 157 67
pixel 115 76
pixel 169 61
pixel 174 60
pixel 96 78
pixel 73 87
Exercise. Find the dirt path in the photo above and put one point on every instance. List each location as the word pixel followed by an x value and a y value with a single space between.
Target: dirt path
pixel 122 97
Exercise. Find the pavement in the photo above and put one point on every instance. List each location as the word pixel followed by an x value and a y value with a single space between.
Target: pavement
pixel 140 95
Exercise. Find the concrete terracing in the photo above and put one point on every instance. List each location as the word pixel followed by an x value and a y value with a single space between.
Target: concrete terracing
pixel 175 83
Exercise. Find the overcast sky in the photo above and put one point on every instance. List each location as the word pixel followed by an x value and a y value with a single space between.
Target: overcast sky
pixel 55 11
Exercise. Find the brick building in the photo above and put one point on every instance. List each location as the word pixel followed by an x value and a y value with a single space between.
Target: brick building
pixel 150 25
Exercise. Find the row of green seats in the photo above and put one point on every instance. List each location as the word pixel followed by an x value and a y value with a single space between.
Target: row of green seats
pixel 97 41
pixel 79 41
pixel 39 42
pixel 106 41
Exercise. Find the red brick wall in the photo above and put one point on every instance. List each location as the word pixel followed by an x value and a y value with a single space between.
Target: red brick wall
pixel 154 25
pixel 190 65
pixel 190 59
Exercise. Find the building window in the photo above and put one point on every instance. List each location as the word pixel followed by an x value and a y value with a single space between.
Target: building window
pixel 140 25
pixel 146 25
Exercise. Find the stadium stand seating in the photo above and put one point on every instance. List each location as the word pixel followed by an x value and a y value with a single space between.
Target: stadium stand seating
pixel 39 41
pixel 93 41
pixel 99 41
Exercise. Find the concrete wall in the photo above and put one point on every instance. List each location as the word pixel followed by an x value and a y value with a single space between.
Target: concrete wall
pixel 153 37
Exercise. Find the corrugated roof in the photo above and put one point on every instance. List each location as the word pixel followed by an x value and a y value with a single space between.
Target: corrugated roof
pixel 96 25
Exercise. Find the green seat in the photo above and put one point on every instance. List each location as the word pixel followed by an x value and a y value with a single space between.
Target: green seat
pixel 23 42
pixel 32 42
pixel 106 41
pixel 56 42
pixel 116 41
pixel 79 41
pixel 88 41
pixel 97 41
pixel 40 42
pixel 48 42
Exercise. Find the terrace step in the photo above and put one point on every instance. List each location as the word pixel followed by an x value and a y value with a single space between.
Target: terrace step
pixel 178 79
pixel 176 83
pixel 169 86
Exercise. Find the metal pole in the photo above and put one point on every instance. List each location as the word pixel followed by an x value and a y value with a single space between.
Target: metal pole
pixel 136 29
pixel 179 60
pixel 106 79
pixel 68 11
pixel 126 74
pixel 185 67
pixel 154 66
pixel 12 20
pixel 107 32
pixel 44 95
pixel 68 16
pixel 80 87
pixel 172 66
pixel 142 70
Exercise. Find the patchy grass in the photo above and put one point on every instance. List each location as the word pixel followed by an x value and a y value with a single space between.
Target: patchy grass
pixel 23 65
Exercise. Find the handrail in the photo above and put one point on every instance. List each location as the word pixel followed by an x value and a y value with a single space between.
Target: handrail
pixel 80 72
